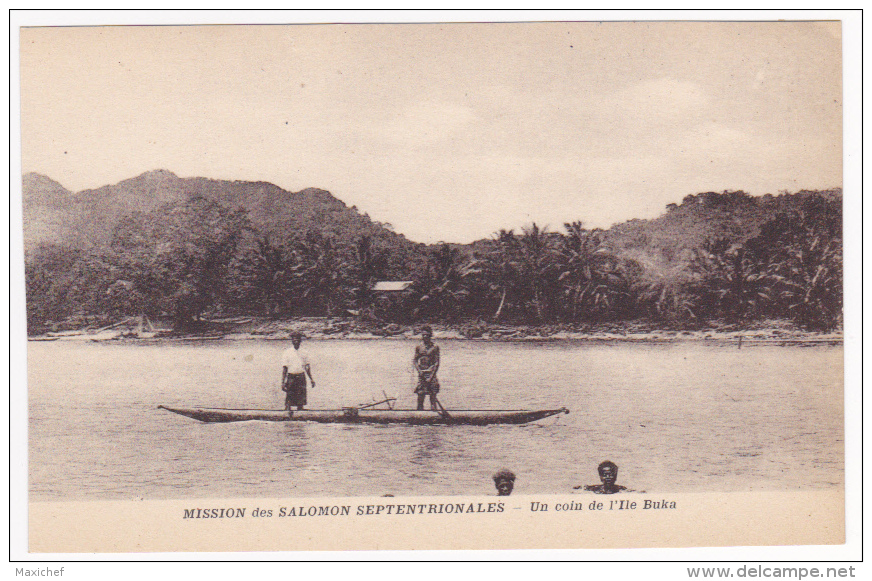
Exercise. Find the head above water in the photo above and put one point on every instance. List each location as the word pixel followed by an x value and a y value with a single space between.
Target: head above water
pixel 504 480
pixel 608 472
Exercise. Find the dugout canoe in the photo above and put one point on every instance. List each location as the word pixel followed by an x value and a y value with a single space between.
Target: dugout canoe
pixel 369 416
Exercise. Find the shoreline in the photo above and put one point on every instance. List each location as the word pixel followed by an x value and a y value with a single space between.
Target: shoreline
pixel 322 329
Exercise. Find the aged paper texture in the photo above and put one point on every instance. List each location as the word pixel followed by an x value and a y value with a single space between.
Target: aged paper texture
pixel 774 518
pixel 551 285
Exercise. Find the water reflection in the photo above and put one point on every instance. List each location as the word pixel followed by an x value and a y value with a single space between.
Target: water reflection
pixel 293 440
pixel 668 415
pixel 426 444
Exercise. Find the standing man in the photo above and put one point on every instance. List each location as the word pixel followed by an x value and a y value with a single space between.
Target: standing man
pixel 426 363
pixel 295 368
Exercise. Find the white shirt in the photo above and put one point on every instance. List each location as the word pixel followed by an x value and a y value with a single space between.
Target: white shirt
pixel 295 360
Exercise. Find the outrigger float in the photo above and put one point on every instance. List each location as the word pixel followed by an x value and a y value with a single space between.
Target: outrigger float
pixel 366 415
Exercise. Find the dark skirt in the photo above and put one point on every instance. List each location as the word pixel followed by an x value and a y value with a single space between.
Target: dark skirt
pixel 295 390
pixel 426 387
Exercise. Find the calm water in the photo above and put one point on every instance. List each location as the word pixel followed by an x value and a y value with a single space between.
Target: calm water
pixel 675 418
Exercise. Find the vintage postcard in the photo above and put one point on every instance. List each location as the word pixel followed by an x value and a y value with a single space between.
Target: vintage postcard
pixel 544 285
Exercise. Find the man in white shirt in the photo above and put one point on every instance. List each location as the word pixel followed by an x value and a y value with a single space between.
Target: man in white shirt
pixel 295 368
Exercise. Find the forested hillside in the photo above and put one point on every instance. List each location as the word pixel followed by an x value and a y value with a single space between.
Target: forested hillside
pixel 185 248
pixel 88 219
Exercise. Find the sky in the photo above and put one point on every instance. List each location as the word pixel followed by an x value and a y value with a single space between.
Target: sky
pixel 448 132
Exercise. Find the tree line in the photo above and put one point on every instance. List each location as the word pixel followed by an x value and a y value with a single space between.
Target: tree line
pixel 197 258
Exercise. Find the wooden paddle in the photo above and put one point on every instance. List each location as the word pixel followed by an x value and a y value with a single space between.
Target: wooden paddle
pixel 441 409
pixel 388 401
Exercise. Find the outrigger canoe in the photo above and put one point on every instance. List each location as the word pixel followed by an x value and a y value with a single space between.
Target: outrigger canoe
pixel 354 415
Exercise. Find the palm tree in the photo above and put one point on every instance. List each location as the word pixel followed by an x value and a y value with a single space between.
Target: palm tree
pixel 731 281
pixel 320 273
pixel 179 256
pixel 498 270
pixel 260 276
pixel 668 299
pixel 445 282
pixel 537 270
pixel 591 277
pixel 812 285
pixel 802 249
pixel 368 266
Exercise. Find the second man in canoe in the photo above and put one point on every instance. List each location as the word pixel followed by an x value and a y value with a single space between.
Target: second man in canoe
pixel 295 368
pixel 426 363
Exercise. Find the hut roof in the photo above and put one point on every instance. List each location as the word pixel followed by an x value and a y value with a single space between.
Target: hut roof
pixel 392 285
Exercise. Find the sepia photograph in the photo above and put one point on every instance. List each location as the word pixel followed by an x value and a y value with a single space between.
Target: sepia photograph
pixel 451 275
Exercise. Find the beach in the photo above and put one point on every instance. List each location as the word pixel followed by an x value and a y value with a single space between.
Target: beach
pixel 769 332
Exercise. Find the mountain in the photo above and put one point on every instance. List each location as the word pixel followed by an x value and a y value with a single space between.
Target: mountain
pixel 43 190
pixel 45 201
pixel 88 218
pixel 197 258
pixel 665 244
